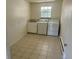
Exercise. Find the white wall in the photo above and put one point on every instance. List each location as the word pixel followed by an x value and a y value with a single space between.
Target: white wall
pixel 17 14
pixel 56 9
pixel 66 27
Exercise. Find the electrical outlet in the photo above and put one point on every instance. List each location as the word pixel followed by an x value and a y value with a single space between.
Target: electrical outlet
pixel 65 44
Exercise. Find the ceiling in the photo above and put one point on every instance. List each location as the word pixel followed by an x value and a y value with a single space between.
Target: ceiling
pixel 41 0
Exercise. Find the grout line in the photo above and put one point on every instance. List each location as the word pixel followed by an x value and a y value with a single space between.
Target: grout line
pixel 37 42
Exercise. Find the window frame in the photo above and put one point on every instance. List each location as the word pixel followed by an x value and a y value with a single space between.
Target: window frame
pixel 48 8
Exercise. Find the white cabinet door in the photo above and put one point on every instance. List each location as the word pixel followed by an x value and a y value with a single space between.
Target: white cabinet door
pixel 32 27
pixel 42 28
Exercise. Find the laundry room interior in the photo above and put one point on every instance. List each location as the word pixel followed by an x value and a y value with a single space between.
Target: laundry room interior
pixel 38 29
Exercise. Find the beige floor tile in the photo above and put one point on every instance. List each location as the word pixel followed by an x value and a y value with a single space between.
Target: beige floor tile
pixel 26 55
pixel 42 57
pixel 43 52
pixel 35 46
pixel 34 56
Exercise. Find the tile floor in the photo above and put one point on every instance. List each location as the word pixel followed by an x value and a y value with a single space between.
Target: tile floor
pixel 35 46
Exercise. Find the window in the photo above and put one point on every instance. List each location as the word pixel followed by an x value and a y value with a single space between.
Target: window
pixel 46 11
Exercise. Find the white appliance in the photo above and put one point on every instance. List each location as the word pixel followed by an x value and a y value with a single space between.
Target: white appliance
pixel 42 28
pixel 53 27
pixel 45 27
pixel 32 27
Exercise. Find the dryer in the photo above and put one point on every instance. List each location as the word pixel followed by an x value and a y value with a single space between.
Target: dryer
pixel 53 28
